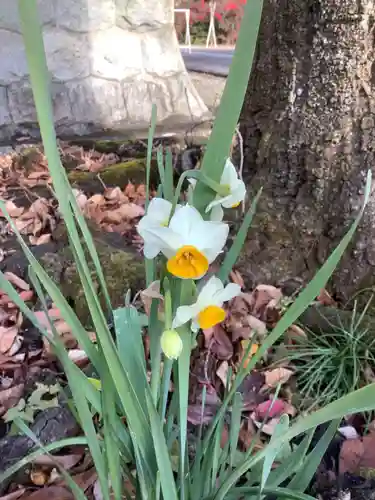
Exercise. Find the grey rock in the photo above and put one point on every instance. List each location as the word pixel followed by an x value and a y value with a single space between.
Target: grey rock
pixel 109 61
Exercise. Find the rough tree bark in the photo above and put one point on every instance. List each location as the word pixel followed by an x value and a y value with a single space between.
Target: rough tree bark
pixel 308 129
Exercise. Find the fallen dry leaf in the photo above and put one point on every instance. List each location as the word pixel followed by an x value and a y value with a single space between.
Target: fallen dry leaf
pixel 325 298
pixel 7 337
pixel 40 240
pixel 66 461
pixel 269 427
pixel 12 209
pixel 270 409
pixel 15 495
pixel 10 397
pixel 50 493
pixel 221 345
pixel 16 281
pixel 222 373
pixel 277 376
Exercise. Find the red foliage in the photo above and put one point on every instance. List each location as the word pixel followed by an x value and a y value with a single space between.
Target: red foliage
pixel 228 15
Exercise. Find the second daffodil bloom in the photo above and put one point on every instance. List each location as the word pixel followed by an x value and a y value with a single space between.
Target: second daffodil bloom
pixel 236 191
pixel 158 213
pixel 208 310
pixel 189 242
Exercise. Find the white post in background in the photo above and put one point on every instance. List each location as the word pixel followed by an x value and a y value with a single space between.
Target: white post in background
pixel 211 36
pixel 187 26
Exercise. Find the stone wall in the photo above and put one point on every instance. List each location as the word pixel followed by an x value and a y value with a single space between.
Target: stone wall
pixel 109 60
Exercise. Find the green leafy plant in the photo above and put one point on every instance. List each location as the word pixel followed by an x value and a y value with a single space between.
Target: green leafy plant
pixel 141 437
pixel 334 361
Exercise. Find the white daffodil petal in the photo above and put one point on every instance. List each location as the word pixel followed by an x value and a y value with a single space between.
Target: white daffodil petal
pixel 184 222
pixel 159 209
pixel 164 238
pixel 210 238
pixel 216 214
pixel 212 287
pixel 237 196
pixel 229 175
pixel 150 251
pixel 228 293
pixel 184 314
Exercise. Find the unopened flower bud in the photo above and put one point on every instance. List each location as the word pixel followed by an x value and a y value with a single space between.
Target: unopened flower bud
pixel 171 344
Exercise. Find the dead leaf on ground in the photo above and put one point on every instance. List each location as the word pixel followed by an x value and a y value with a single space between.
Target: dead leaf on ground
pixel 236 277
pixel 12 209
pixel 16 281
pixel 50 493
pixel 295 335
pixel 221 345
pixel 10 397
pixel 270 409
pixel 357 456
pixel 222 373
pixel 269 427
pixel 250 390
pixel 14 495
pixel 149 294
pixel 7 337
pixel 66 461
pixel 277 376
pixel 325 298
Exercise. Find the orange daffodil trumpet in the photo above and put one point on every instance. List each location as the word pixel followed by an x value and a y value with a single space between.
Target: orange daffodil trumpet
pixel 208 310
pixel 189 242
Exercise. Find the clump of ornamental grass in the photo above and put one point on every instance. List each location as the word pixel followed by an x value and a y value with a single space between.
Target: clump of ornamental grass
pixel 335 361
pixel 134 429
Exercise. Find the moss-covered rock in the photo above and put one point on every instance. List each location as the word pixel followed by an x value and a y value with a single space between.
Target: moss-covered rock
pixel 114 175
pixel 123 270
pixel 122 267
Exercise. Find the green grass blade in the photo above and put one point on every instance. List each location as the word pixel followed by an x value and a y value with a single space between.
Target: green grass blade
pixel 235 425
pixel 291 464
pixel 214 459
pixel 112 446
pixel 130 348
pixel 232 255
pixel 227 116
pixel 273 448
pixel 161 169
pixel 150 140
pixel 168 177
pixel 240 492
pixel 167 481
pixel 149 263
pixel 303 477
pixel 183 381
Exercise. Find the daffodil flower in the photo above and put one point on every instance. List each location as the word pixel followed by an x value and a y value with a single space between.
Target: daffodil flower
pixel 189 242
pixel 158 214
pixel 208 310
pixel 236 192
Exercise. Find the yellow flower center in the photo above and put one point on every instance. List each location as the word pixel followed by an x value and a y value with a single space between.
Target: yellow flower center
pixel 211 316
pixel 188 262
pixel 236 205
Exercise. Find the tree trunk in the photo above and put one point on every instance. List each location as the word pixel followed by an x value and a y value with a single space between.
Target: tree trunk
pixel 109 61
pixel 308 129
